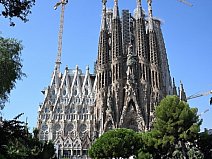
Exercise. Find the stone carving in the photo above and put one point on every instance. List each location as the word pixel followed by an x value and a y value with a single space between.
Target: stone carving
pixel 131 64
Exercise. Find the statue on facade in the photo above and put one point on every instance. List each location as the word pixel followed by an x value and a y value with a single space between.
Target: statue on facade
pixel 131 63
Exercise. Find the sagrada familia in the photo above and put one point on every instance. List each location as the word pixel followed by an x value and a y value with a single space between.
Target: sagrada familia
pixel 131 77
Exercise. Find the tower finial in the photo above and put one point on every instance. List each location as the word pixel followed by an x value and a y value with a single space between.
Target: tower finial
pixel 116 2
pixel 150 7
pixel 104 2
pixel 138 10
pixel 103 26
pixel 182 93
pixel 138 3
pixel 115 10
pixel 150 14
pixel 174 88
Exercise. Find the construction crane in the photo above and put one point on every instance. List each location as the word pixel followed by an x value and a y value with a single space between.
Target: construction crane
pixel 186 2
pixel 200 95
pixel 203 112
pixel 60 35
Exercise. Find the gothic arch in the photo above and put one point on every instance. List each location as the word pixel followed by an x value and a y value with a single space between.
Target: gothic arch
pixel 59 142
pixel 77 144
pixel 86 142
pixel 68 143
pixel 130 119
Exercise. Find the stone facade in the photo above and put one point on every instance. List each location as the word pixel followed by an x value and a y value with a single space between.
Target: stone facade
pixel 131 77
pixel 132 69
pixel 66 116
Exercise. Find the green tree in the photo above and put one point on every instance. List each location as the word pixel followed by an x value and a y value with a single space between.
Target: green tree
pixel 10 67
pixel 176 127
pixel 17 143
pixel 205 144
pixel 16 8
pixel 144 155
pixel 148 149
pixel 115 143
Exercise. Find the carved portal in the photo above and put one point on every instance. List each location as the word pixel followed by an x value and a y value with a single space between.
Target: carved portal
pixel 130 116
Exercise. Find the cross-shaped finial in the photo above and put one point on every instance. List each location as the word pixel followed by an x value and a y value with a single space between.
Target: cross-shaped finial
pixel 104 1
pixel 149 1
pixel 139 2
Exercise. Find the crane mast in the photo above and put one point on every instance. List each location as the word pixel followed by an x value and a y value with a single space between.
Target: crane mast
pixel 60 35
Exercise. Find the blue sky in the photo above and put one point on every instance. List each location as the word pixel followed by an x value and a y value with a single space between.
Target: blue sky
pixel 187 34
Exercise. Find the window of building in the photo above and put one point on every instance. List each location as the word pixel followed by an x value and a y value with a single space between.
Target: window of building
pixel 58 110
pixel 46 136
pixel 83 110
pixel 68 116
pixel 64 92
pixel 46 110
pixel 43 116
pixel 55 117
pixel 41 136
pixel 84 152
pixel 86 92
pixel 75 92
pixel 47 116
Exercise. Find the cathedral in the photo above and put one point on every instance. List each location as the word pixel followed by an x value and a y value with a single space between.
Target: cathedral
pixel 131 77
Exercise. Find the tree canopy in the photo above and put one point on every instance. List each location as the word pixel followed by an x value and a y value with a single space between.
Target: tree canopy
pixel 115 143
pixel 175 130
pixel 16 8
pixel 176 119
pixel 205 143
pixel 17 143
pixel 10 67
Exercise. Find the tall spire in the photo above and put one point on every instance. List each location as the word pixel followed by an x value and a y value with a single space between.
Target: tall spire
pixel 138 3
pixel 182 93
pixel 139 9
pixel 103 25
pixel 174 88
pixel 140 34
pixel 150 14
pixel 115 10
